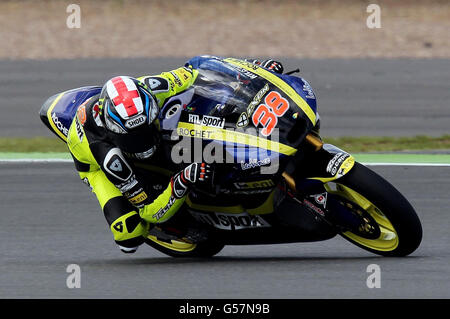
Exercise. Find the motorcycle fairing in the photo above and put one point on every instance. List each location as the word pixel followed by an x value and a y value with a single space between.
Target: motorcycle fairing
pixel 59 110
pixel 266 207
pixel 238 69
pixel 238 82
pixel 232 139
pixel 231 88
pixel 296 93
pixel 228 89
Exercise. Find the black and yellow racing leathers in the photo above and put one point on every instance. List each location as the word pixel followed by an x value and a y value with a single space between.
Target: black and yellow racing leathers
pixel 129 203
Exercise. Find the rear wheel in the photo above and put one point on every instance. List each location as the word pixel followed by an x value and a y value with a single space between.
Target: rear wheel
pixel 175 248
pixel 388 226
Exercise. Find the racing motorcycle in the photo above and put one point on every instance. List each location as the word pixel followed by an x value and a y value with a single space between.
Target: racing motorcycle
pixel 275 180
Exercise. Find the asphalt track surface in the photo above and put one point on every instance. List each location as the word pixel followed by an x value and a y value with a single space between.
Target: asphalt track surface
pixel 357 97
pixel 51 220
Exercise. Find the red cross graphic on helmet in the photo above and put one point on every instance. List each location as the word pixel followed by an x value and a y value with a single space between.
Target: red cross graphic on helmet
pixel 125 96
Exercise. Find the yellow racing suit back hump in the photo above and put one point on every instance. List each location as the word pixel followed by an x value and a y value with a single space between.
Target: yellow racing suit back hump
pixel 129 201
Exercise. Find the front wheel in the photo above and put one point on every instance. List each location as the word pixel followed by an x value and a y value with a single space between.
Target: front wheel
pixel 389 225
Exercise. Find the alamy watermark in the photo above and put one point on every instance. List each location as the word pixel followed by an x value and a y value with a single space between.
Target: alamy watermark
pixel 374 279
pixel 74 278
pixel 373 21
pixel 249 147
pixel 73 20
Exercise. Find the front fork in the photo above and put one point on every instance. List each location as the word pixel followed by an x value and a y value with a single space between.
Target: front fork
pixel 312 168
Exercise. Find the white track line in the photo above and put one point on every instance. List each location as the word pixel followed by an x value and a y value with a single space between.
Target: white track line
pixel 35 160
pixel 406 164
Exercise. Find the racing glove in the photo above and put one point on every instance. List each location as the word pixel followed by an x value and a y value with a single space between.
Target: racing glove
pixel 273 65
pixel 269 64
pixel 195 173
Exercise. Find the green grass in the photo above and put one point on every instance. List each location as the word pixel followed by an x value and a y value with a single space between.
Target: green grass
pixel 390 144
pixel 350 144
pixel 31 145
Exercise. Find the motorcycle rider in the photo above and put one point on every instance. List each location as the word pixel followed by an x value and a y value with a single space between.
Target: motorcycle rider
pixel 118 128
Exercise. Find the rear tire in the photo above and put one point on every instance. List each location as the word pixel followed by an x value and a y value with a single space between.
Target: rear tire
pixel 183 250
pixel 393 205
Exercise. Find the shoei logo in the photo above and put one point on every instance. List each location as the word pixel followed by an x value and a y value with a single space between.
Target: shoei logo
pixel 136 121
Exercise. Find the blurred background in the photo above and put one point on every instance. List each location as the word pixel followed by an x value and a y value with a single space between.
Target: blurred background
pixel 37 29
pixel 384 77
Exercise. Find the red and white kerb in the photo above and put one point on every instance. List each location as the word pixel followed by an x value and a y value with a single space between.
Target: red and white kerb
pixel 125 95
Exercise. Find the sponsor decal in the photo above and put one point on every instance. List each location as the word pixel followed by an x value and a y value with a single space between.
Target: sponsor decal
pixel 242 120
pixel 160 213
pixel 256 184
pixel 129 184
pixel 231 221
pixel 79 129
pixel 308 89
pixel 313 207
pixel 96 113
pixel 136 121
pixel 171 84
pixel 118 226
pixel 251 191
pixel 256 99
pixel 255 163
pixel 176 79
pixel 335 162
pixel 116 165
pixel 186 73
pixel 81 113
pixel 206 120
pixel 129 195
pixel 59 125
pixel 321 199
pixel 139 198
pixel 157 84
pixel 246 72
pixel 267 114
pixel 194 133
pixel 244 63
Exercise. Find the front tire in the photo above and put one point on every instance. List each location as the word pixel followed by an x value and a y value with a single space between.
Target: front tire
pixel 400 228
